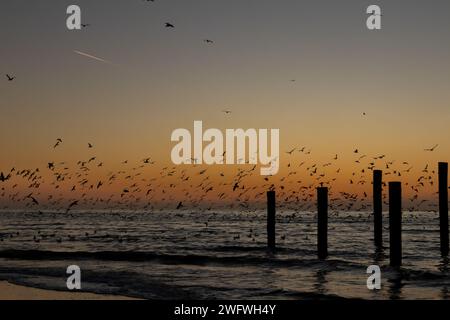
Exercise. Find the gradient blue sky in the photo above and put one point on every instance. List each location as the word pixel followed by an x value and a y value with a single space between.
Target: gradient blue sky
pixel 161 79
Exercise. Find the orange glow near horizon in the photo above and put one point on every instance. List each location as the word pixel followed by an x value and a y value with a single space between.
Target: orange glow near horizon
pixel 318 75
pixel 134 184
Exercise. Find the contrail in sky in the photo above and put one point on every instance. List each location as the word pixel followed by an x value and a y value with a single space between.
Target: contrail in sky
pixel 91 56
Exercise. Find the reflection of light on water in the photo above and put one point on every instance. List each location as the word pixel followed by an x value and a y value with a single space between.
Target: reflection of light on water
pixel 222 254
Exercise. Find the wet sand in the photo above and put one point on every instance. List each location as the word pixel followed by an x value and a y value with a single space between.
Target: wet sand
pixel 10 291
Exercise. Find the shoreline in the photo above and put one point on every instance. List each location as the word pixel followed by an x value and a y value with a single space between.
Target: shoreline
pixel 9 291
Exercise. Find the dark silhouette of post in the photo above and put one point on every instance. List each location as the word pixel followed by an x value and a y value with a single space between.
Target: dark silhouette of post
pixel 271 220
pixel 395 223
pixel 322 222
pixel 377 208
pixel 443 206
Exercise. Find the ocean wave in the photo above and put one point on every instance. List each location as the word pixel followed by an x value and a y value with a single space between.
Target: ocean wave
pixel 264 257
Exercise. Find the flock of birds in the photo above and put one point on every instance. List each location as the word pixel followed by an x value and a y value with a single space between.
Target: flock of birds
pixel 88 184
pixel 169 25
pixel 145 185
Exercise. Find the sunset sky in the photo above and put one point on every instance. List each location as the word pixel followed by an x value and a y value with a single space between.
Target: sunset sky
pixel 157 79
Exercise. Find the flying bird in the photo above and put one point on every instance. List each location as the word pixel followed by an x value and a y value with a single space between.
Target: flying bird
pixel 10 78
pixel 169 25
pixel 58 142
pixel 291 151
pixel 3 178
pixel 34 201
pixel 74 203
pixel 432 149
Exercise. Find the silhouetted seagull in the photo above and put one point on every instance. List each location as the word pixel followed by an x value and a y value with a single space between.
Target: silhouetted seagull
pixel 432 149
pixel 58 141
pixel 3 178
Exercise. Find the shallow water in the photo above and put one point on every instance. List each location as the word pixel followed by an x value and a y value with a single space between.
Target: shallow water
pixel 219 255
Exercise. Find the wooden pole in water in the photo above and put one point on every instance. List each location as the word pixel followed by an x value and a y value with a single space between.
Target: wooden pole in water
pixel 271 220
pixel 443 206
pixel 377 208
pixel 322 222
pixel 395 223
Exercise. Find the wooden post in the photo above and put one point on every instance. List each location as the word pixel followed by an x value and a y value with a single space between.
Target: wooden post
pixel 322 222
pixel 443 206
pixel 271 220
pixel 377 208
pixel 395 223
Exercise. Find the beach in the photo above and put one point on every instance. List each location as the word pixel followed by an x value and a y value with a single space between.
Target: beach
pixel 9 291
